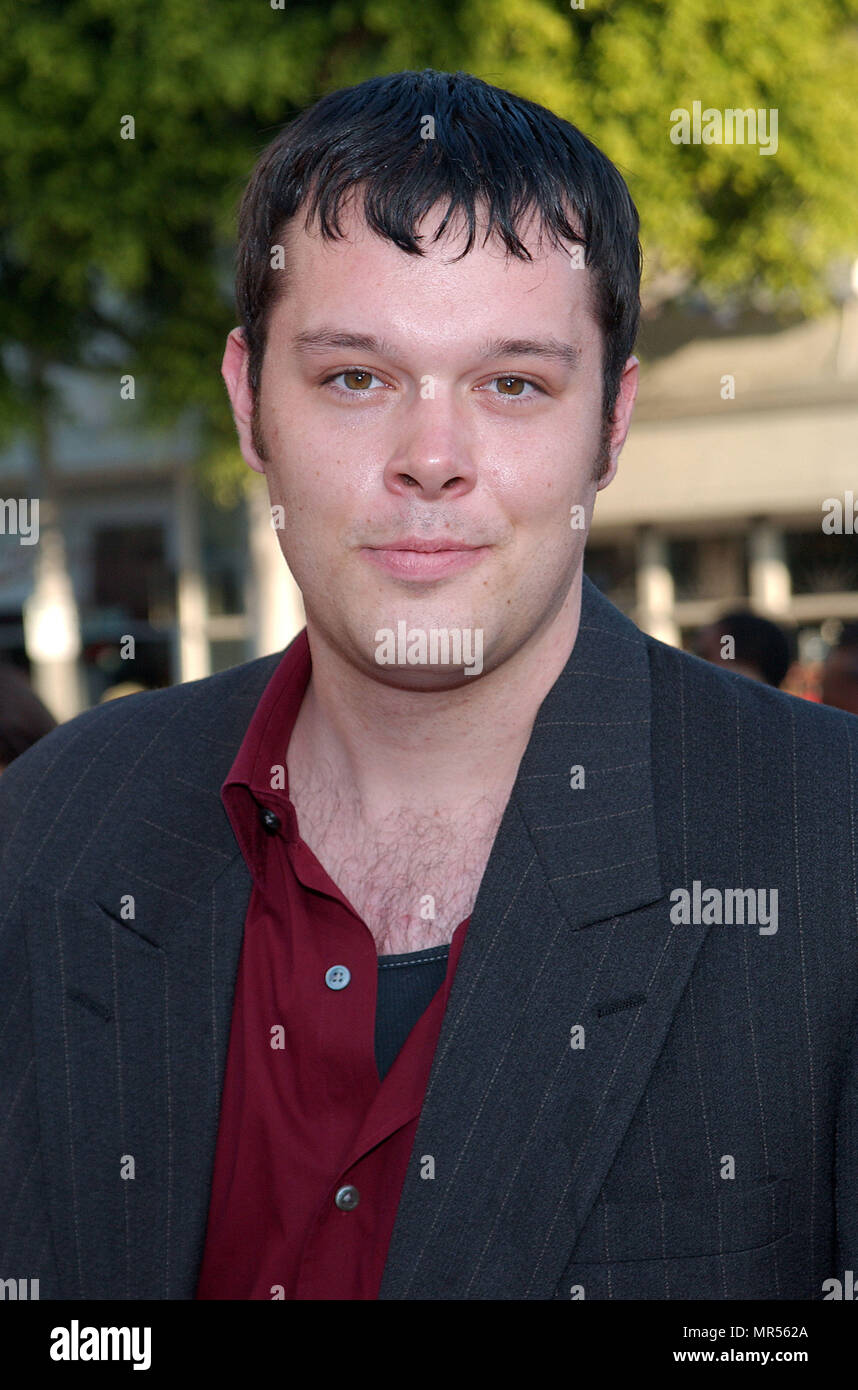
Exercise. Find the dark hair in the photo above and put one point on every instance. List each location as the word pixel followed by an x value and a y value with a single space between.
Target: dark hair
pixel 489 147
pixel 759 643
pixel 24 719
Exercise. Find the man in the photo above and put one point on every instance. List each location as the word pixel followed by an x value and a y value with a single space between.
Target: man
pixel 756 647
pixel 23 717
pixel 589 880
pixel 840 672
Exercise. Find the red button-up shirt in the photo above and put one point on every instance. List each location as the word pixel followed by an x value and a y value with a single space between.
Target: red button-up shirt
pixel 303 1112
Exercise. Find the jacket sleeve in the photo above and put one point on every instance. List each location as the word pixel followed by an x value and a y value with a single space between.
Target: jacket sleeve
pixel 26 1252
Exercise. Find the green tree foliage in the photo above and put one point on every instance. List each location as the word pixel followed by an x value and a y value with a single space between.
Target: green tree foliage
pixel 119 252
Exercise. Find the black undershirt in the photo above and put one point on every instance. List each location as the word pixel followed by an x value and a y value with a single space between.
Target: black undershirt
pixel 406 986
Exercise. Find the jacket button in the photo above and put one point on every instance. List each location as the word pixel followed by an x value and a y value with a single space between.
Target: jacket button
pixel 270 820
pixel 347 1198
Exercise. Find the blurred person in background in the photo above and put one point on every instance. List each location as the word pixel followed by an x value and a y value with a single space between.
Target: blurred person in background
pixel 120 690
pixel 760 648
pixel 23 717
pixel 840 672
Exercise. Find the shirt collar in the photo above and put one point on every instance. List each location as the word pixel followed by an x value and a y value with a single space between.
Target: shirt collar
pixel 258 779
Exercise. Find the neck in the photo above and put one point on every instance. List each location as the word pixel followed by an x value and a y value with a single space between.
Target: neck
pixel 387 746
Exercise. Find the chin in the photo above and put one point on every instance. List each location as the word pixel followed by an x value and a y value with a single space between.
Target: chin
pixel 420 681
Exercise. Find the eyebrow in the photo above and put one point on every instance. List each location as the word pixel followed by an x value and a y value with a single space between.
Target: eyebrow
pixel 551 349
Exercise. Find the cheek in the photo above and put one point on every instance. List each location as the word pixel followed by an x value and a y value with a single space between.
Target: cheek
pixel 301 479
pixel 549 499
pixel 552 463
pixel 320 469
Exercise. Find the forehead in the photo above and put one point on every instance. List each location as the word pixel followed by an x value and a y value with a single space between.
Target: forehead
pixel 365 273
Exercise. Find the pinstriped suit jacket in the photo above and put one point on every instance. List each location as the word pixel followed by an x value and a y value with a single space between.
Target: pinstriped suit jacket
pixel 699 1140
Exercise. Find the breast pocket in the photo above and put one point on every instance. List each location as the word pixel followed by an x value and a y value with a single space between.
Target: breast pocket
pixel 687 1246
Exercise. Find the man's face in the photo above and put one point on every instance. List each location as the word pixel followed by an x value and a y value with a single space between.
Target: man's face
pixel 430 428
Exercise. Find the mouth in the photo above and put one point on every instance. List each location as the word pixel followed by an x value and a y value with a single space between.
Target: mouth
pixel 419 558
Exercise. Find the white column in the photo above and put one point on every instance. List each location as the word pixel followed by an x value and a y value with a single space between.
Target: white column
pixel 770 582
pixel 51 629
pixel 51 621
pixel 655 594
pixel 191 601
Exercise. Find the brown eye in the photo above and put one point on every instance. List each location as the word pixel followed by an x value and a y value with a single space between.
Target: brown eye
pixel 364 378
pixel 506 379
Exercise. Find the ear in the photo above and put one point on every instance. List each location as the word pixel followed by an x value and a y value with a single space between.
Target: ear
pixel 621 418
pixel 234 370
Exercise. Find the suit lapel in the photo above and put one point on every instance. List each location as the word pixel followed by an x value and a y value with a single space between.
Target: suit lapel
pixel 570 930
pixel 132 998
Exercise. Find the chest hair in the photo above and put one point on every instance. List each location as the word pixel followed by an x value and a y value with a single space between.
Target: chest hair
pixel 413 875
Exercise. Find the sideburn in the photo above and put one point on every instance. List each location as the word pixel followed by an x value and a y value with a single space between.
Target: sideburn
pixel 603 458
pixel 256 430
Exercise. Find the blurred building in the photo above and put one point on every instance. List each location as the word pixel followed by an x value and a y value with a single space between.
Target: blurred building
pixel 737 443
pixel 136 552
pixel 741 435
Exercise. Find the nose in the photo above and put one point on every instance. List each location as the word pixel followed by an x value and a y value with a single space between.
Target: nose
pixel 432 458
